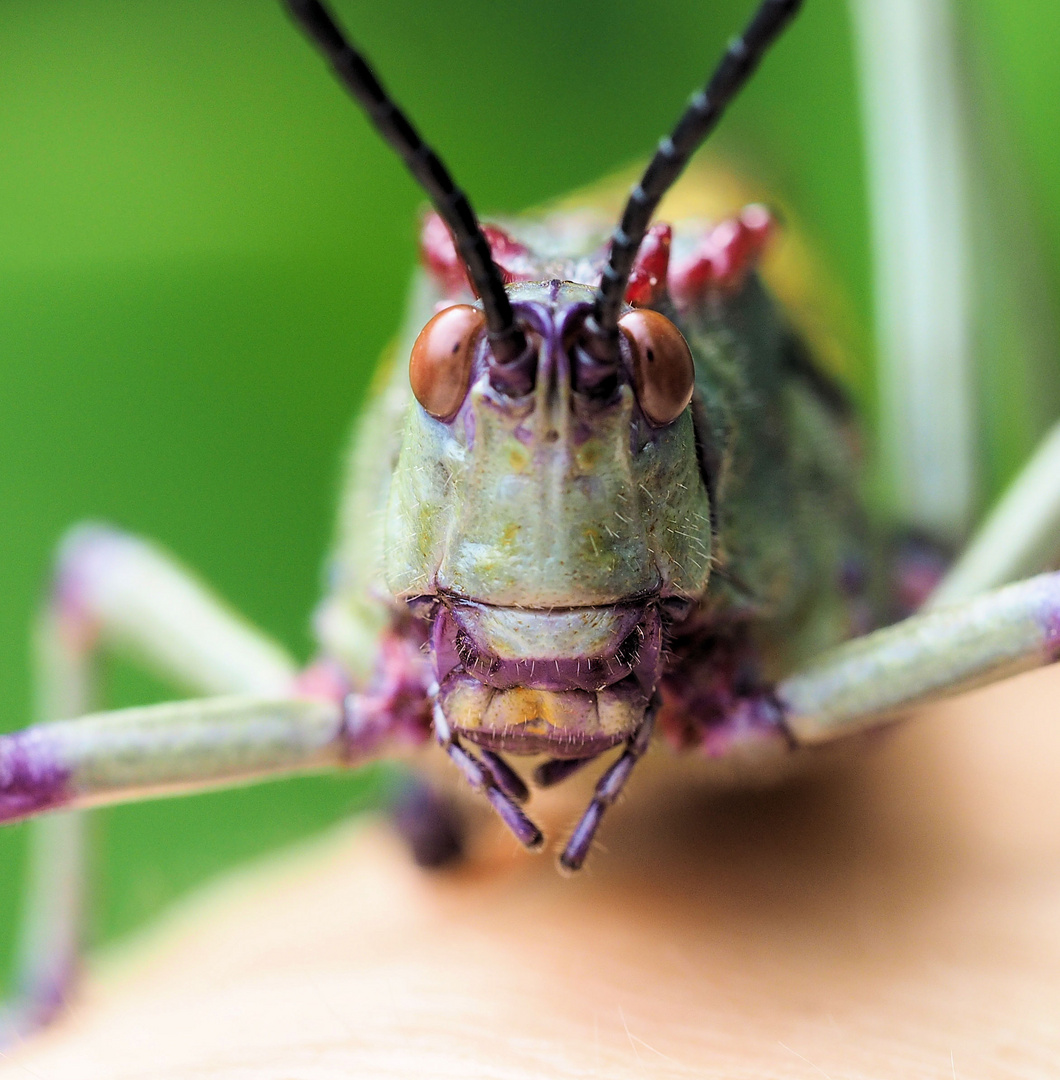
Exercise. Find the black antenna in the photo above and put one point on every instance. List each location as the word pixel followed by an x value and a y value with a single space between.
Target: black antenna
pixel 699 120
pixel 450 202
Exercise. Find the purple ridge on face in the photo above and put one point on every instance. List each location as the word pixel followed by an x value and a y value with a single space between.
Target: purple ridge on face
pixel 551 328
pixel 31 779
pixel 524 434
pixel 636 653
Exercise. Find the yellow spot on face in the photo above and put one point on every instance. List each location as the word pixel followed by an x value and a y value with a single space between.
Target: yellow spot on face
pixel 518 457
pixel 511 531
pixel 587 456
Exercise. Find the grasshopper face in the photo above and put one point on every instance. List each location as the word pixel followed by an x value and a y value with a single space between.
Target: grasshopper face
pixel 543 518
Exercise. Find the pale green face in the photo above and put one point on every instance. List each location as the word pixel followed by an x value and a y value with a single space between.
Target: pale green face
pixel 549 526
pixel 547 501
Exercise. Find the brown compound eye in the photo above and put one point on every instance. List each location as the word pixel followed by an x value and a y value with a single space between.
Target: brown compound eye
pixel 440 365
pixel 663 371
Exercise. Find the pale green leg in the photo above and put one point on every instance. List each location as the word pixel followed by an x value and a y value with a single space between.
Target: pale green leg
pixel 1020 537
pixel 112 590
pixel 945 651
pixel 172 749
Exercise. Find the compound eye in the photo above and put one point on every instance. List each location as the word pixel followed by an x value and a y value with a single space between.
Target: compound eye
pixel 663 371
pixel 440 365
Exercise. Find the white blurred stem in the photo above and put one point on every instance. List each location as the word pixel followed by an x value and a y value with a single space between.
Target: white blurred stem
pixel 917 175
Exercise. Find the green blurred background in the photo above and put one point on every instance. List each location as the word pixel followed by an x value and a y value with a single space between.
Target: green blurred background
pixel 203 248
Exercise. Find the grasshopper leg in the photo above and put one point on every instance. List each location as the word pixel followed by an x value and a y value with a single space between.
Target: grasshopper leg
pixel 718 699
pixel 110 590
pixel 943 651
pixel 1020 537
pixel 429 823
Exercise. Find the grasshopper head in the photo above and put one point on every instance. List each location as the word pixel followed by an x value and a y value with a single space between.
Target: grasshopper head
pixel 551 506
pixel 548 500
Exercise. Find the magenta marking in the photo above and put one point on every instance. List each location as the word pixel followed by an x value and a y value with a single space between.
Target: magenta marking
pixel 440 256
pixel 324 678
pixel 1048 586
pixel 647 279
pixel 725 256
pixel 715 697
pixel 31 779
pixel 394 708
pixel 83 558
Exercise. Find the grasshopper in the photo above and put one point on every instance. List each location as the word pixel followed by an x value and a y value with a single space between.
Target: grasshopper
pixel 603 497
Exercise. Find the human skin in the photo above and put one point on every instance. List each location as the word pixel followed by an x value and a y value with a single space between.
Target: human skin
pixel 897 917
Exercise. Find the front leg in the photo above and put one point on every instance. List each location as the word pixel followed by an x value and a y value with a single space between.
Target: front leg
pixel 719 704
pixel 176 748
pixel 110 590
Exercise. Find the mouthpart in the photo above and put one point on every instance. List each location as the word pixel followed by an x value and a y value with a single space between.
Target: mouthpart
pixel 569 683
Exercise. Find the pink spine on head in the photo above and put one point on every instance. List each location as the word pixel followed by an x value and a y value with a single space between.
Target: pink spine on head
pixel 441 258
pixel 725 256
pixel 647 281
